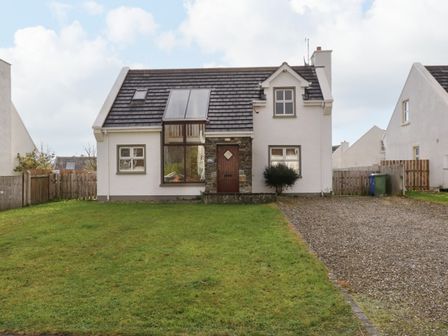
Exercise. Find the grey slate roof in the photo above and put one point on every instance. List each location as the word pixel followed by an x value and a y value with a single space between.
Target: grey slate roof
pixel 72 162
pixel 232 93
pixel 440 73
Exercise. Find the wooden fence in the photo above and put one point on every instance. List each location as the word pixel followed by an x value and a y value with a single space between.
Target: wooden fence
pixel 404 175
pixel 40 186
pixel 416 173
pixel 73 185
pixel 352 182
pixel 11 192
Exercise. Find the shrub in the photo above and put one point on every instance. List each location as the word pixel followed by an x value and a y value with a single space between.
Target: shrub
pixel 34 160
pixel 280 177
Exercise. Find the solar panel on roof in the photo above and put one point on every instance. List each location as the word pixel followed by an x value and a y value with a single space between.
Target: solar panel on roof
pixel 188 104
pixel 198 104
pixel 177 105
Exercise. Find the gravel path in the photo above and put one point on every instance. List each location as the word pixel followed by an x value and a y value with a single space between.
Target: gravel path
pixel 394 250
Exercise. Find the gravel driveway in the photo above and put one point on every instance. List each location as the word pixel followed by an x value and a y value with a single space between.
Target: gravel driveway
pixel 392 253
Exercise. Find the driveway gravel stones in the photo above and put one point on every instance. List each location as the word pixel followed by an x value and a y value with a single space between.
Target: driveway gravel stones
pixel 390 250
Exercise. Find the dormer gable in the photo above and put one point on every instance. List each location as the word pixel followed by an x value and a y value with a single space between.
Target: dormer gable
pixel 285 68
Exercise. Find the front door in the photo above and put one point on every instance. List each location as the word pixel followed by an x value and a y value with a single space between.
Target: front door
pixel 228 168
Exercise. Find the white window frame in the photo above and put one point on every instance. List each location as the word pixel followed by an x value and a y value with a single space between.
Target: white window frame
pixel 416 152
pixel 284 160
pixel 131 157
pixel 445 162
pixel 284 101
pixel 405 112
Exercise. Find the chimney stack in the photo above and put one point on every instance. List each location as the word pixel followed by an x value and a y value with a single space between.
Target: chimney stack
pixel 322 58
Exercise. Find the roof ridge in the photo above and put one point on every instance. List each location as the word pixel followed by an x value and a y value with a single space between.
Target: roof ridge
pixel 223 69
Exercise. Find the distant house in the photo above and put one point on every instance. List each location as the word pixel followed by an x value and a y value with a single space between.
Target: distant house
pixel 74 163
pixel 14 137
pixel 418 128
pixel 171 133
pixel 368 150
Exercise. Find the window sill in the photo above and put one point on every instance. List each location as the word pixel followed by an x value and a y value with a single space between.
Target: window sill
pixel 190 184
pixel 131 173
pixel 275 116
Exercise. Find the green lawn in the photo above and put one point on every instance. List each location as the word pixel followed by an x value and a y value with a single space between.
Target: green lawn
pixel 437 197
pixel 162 269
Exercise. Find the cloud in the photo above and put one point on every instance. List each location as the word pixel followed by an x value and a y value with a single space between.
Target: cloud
pixel 60 80
pixel 167 40
pixel 93 8
pixel 125 24
pixel 374 43
pixel 60 10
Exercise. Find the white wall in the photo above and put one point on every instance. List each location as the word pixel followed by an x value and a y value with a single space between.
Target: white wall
pixel 138 185
pixel 427 127
pixel 14 138
pixel 337 155
pixel 310 129
pixel 21 141
pixel 365 152
pixel 5 118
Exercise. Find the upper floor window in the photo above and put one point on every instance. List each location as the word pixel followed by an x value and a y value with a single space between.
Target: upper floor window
pixel 284 102
pixel 405 111
pixel 131 159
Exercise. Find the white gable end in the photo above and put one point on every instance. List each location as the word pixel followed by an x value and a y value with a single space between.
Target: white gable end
pixel 426 125
pixel 282 70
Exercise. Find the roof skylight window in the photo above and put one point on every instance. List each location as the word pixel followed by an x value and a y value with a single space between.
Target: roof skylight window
pixel 140 95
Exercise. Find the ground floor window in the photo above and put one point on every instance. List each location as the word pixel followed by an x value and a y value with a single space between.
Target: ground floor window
pixel 290 156
pixel 131 159
pixel 183 153
pixel 416 152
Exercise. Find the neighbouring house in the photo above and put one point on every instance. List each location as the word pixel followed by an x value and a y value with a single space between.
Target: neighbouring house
pixel 172 133
pixel 368 150
pixel 14 137
pixel 418 126
pixel 74 163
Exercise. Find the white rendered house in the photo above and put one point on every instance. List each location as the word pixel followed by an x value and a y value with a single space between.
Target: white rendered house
pixel 418 126
pixel 14 137
pixel 173 133
pixel 367 151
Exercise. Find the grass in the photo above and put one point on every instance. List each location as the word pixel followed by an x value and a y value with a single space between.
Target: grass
pixel 397 319
pixel 162 269
pixel 436 197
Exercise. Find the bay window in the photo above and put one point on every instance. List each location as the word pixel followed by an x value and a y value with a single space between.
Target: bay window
pixel 183 153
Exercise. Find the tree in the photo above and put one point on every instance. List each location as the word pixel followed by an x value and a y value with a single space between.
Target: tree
pixel 280 177
pixel 90 151
pixel 35 160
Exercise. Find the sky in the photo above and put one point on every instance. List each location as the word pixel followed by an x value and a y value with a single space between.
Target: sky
pixel 66 55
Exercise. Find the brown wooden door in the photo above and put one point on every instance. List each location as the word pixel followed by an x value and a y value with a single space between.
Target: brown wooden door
pixel 228 168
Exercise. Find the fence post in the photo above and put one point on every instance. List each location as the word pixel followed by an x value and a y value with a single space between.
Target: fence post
pixel 27 184
pixel 403 184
